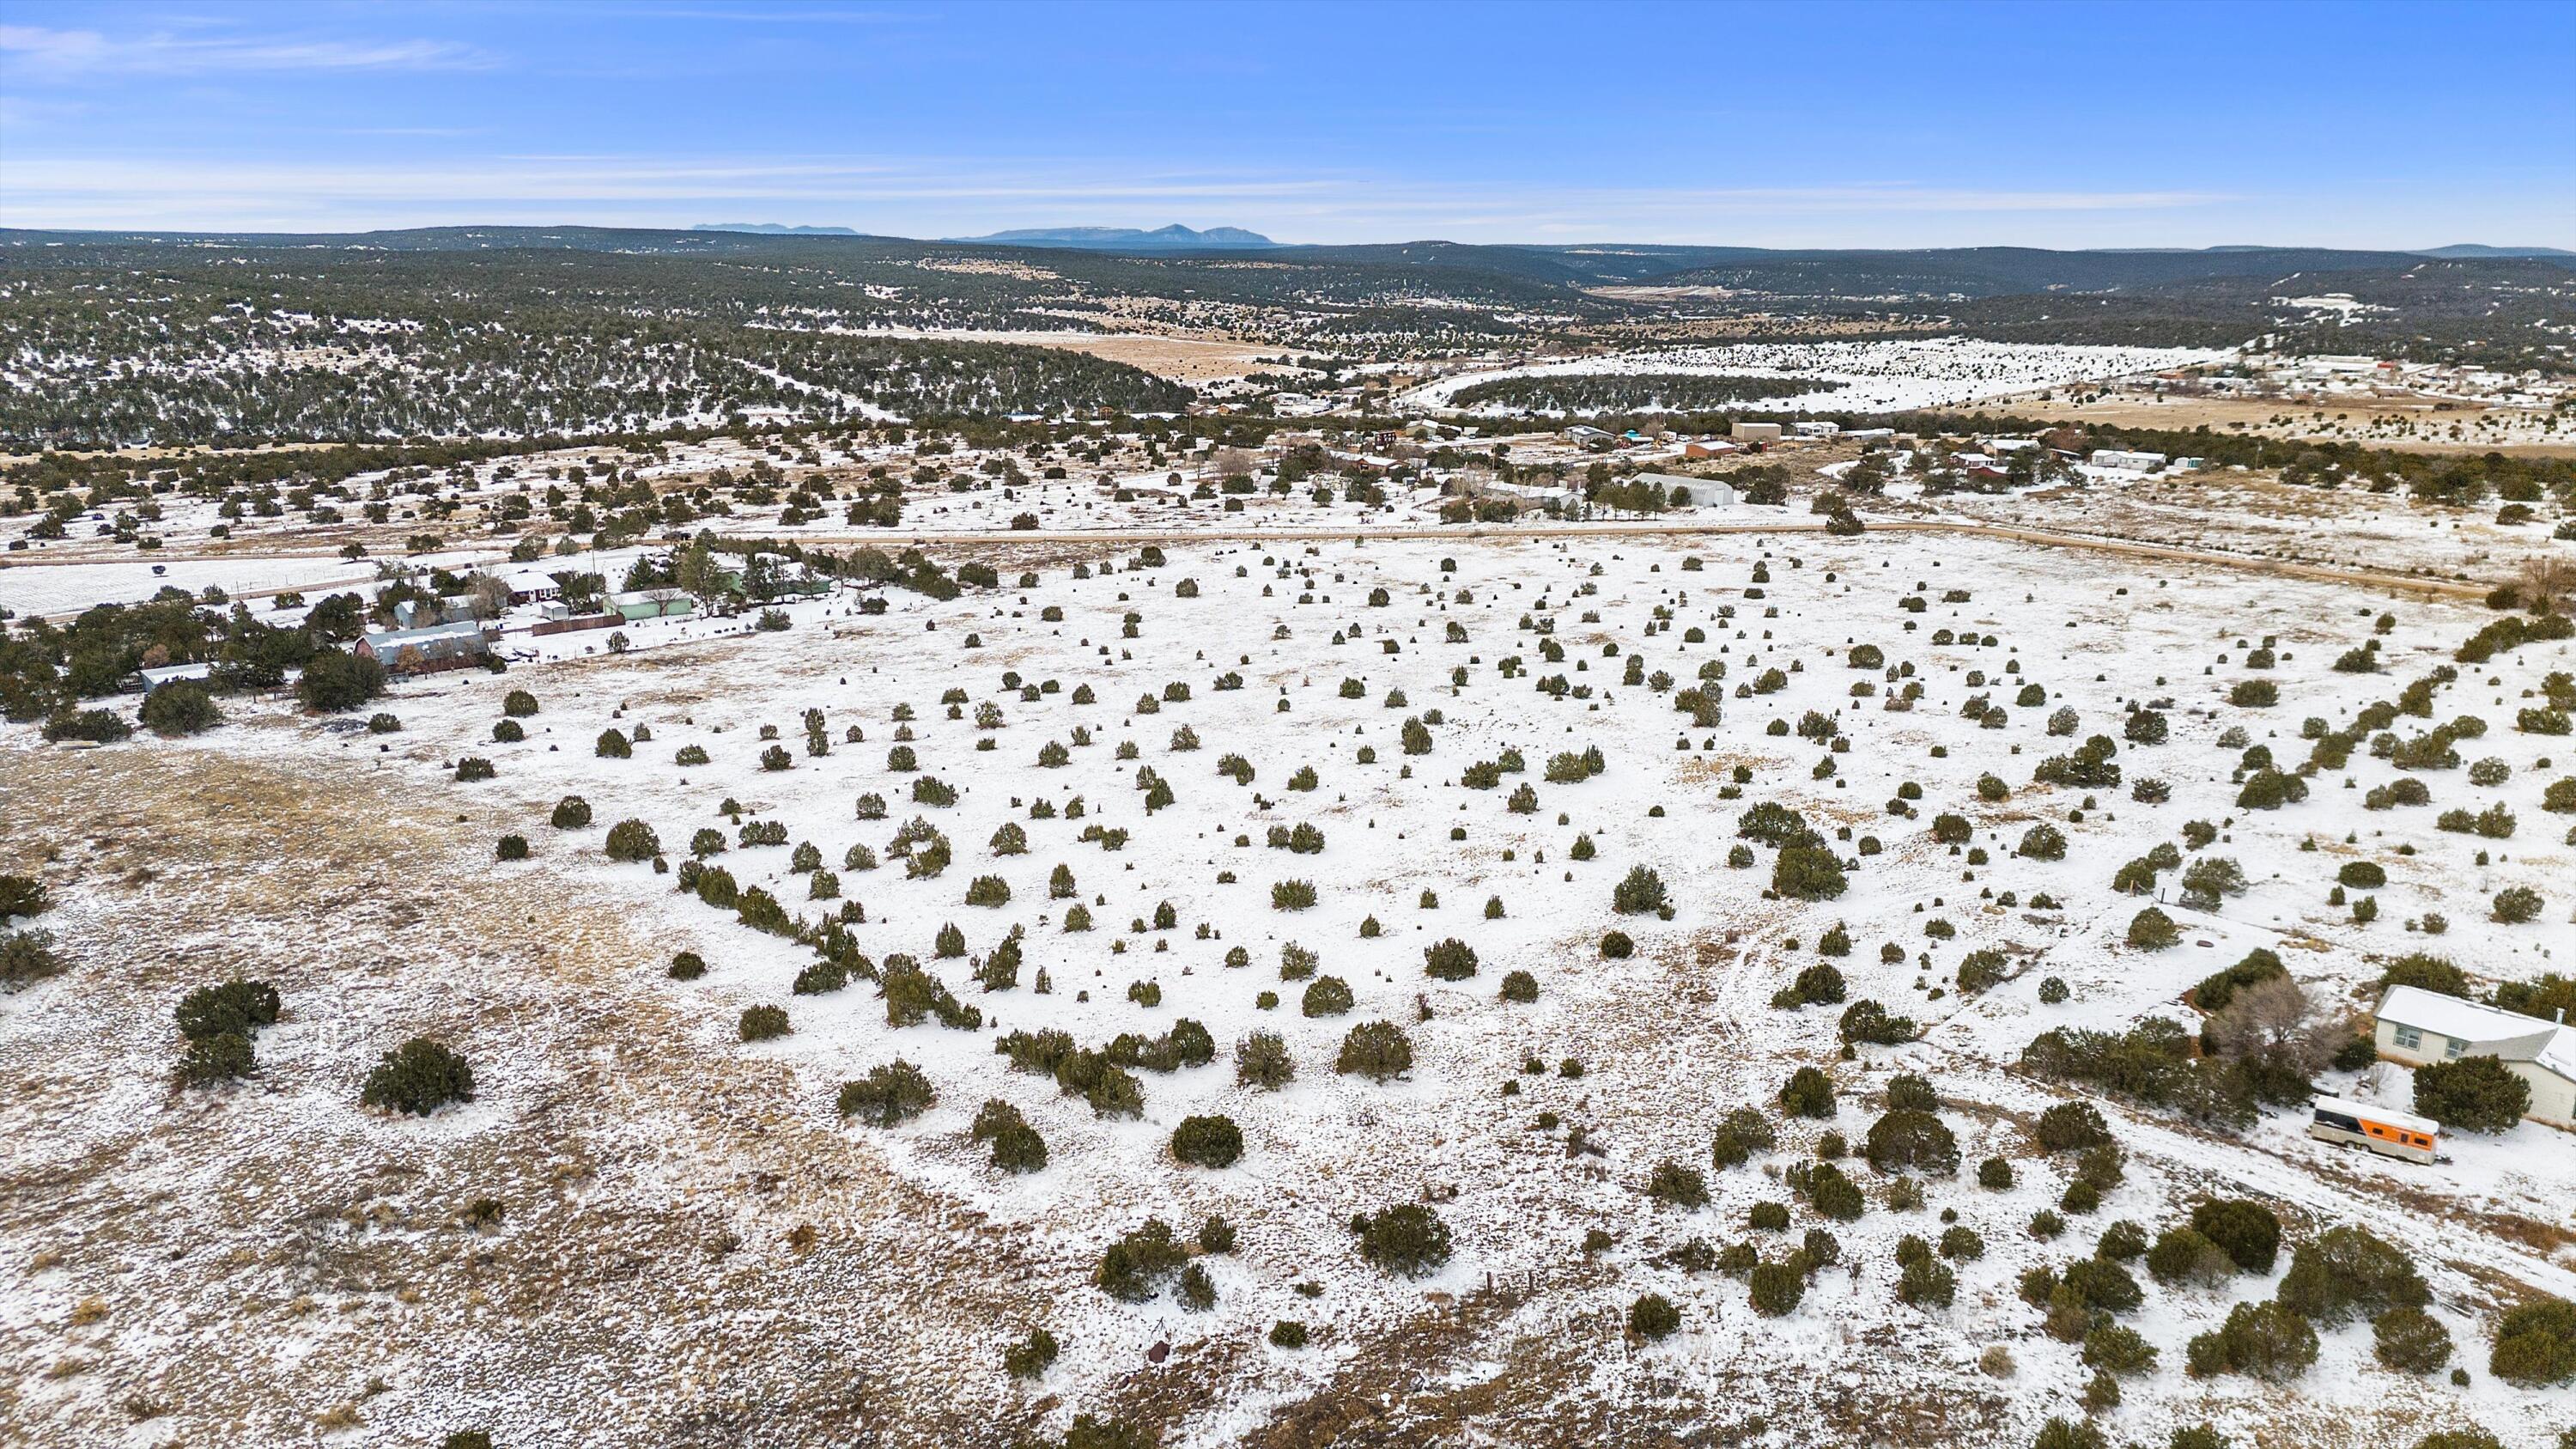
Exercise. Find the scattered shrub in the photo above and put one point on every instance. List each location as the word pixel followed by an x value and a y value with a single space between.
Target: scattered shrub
pixel 418 1078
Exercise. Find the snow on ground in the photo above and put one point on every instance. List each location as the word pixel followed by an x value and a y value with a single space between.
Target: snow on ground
pixel 1875 376
pixel 65 588
pixel 1667 1039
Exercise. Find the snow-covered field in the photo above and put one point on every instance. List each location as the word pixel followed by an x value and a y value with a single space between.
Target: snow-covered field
pixel 1516 1338
pixel 63 588
pixel 1875 376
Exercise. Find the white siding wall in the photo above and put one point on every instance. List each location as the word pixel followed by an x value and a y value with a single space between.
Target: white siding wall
pixel 2553 1097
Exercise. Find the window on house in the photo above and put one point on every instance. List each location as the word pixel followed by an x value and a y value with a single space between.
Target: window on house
pixel 2452 1047
pixel 2410 1037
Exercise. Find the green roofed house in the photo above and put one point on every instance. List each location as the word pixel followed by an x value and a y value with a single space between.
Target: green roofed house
pixel 653 604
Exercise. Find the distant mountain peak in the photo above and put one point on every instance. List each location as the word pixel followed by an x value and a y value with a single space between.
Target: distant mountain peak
pixel 2475 249
pixel 1122 238
pixel 771 228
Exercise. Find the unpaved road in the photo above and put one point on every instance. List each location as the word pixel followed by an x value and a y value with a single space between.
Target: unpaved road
pixel 2047 538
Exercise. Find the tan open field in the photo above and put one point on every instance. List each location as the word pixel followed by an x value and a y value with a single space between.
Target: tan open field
pixel 2255 415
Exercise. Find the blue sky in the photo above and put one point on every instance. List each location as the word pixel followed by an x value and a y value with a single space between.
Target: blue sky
pixel 1768 125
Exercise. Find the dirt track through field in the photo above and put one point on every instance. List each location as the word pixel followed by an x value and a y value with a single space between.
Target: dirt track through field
pixel 2129 548
pixel 2045 538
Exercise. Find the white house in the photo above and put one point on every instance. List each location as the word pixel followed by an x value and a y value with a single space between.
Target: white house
pixel 159 675
pixel 1817 429
pixel 2127 462
pixel 529 586
pixel 1702 492
pixel 2416 1026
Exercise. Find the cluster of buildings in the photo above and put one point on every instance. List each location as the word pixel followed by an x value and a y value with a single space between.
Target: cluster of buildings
pixel 2332 377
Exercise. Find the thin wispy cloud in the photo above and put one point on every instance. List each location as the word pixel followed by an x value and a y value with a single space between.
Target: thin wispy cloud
pixel 84 186
pixel 30 52
pixel 816 15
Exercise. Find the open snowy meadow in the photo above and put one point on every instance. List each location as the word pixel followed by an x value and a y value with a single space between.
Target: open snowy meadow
pixel 1323 986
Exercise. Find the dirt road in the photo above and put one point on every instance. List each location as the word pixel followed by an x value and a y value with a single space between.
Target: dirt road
pixel 2046 538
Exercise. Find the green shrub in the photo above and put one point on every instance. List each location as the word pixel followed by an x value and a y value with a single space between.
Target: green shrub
pixel 335 680
pixel 571 813
pixel 97 726
pixel 1287 1333
pixel 1909 1140
pixel 1653 1317
pixel 2348 1272
pixel 2410 1341
pixel 2535 1344
pixel 1680 1186
pixel 2247 1232
pixel 1808 1093
pixel 888 1095
pixel 1326 996
pixel 2153 930
pixel 1807 872
pixel 1519 986
pixel 1407 1241
pixel 1742 1132
pixel 1927 1282
pixel 418 1078
pixel 2472 1094
pixel 27 957
pixel 1210 1141
pixel 181 707
pixel 2263 1341
pixel 1640 891
pixel 1031 1357
pixel 235 1008
pixel 763 1023
pixel 1450 960
pixel 1777 1287
pixel 1261 1061
pixel 632 840
pixel 2069 1434
pixel 2072 1126
pixel 208 1060
pixel 2183 1256
pixel 1377 1050
pixel 1135 1268
pixel 2516 905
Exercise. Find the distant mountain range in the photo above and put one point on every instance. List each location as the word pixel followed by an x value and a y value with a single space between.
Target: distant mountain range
pixel 2473 249
pixel 1123 238
pixel 1178 238
pixel 771 228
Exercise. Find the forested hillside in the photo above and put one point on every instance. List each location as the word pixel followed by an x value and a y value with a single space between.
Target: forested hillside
pixel 132 339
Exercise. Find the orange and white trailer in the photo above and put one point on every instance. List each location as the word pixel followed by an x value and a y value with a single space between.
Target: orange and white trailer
pixel 2388 1132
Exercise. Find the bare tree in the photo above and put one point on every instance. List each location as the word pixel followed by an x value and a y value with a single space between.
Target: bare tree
pixel 2275 1020
pixel 2543 580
